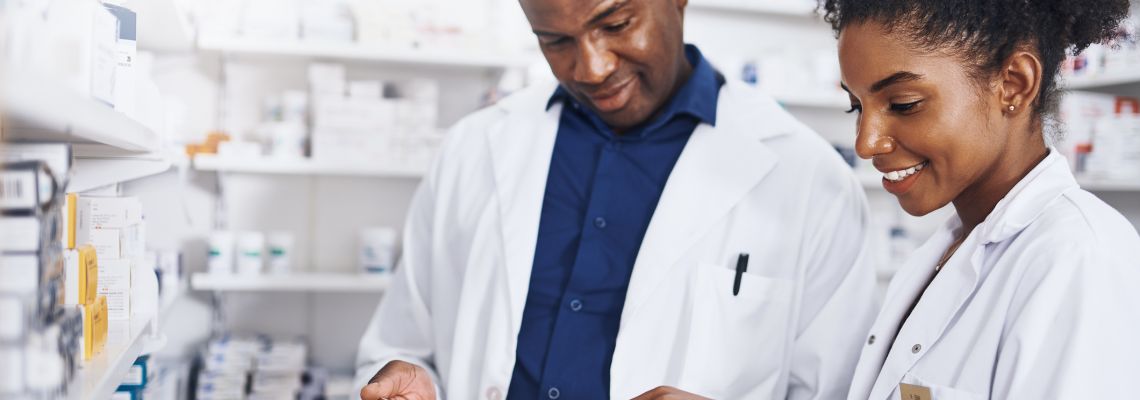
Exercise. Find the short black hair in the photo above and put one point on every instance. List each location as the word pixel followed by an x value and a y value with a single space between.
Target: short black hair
pixel 987 32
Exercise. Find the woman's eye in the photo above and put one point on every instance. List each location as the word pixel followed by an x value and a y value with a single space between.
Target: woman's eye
pixel 616 27
pixel 855 108
pixel 904 107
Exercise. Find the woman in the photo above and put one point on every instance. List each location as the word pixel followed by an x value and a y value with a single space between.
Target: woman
pixel 1032 290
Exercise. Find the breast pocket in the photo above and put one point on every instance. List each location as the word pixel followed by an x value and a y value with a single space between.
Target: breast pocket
pixel 737 343
pixel 939 392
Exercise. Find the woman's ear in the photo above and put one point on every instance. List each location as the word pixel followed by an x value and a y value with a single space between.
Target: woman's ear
pixel 1020 82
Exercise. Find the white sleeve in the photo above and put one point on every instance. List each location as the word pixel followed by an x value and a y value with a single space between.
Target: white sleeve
pixel 1071 330
pixel 838 302
pixel 401 328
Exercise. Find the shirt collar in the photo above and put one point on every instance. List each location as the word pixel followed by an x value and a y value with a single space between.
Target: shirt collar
pixel 697 97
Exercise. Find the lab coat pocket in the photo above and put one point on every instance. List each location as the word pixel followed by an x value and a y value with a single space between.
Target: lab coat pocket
pixel 941 392
pixel 737 343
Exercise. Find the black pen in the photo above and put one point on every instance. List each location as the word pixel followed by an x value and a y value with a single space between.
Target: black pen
pixel 741 268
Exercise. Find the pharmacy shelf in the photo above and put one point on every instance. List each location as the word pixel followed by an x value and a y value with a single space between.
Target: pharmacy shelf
pixel 874 181
pixel 98 378
pixel 41 110
pixel 761 7
pixel 300 282
pixel 356 52
pixel 836 101
pixel 93 168
pixel 1119 78
pixel 307 167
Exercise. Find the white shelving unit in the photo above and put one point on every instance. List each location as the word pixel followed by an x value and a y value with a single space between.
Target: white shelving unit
pixel 824 101
pixel 308 167
pixel 43 110
pixel 874 182
pixel 1100 81
pixel 99 377
pixel 765 7
pixel 236 45
pixel 300 282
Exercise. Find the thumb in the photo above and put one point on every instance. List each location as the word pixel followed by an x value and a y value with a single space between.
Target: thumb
pixel 378 390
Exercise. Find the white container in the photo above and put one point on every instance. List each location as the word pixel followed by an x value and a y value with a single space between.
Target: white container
pixel 250 247
pixel 221 256
pixel 378 250
pixel 280 253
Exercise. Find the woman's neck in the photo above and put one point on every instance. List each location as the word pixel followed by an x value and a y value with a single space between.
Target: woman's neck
pixel 976 203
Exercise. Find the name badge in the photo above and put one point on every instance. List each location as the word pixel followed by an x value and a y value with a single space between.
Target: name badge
pixel 914 392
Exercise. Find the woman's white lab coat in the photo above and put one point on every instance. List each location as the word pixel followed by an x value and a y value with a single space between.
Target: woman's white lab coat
pixel 1042 301
pixel 759 182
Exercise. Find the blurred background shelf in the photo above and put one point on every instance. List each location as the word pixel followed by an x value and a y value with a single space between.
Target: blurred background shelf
pixel 1101 81
pixel 236 45
pixel 310 167
pixel 164 26
pixel 823 101
pixel 47 112
pixel 763 7
pixel 874 182
pixel 299 282
pixel 98 378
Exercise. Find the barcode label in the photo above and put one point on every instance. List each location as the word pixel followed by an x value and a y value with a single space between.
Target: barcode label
pixel 17 189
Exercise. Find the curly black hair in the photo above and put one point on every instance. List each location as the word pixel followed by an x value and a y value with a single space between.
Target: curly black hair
pixel 985 33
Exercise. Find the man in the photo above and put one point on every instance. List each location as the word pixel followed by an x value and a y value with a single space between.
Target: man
pixel 587 240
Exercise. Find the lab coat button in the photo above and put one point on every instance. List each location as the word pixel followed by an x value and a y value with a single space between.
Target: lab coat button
pixel 871 340
pixel 493 393
pixel 600 222
pixel 576 305
pixel 917 348
pixel 553 393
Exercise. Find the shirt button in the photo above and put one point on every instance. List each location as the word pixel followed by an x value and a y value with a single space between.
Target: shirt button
pixel 494 393
pixel 917 348
pixel 600 222
pixel 553 393
pixel 576 305
pixel 871 340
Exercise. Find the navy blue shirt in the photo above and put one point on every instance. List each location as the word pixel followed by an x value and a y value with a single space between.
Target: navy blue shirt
pixel 601 192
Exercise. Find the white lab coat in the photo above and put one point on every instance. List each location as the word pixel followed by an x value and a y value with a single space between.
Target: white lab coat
pixel 1041 301
pixel 759 182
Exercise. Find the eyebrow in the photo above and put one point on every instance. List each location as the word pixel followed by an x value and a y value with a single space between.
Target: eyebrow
pixel 897 77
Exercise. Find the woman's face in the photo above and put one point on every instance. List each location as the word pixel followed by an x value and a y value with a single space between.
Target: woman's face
pixel 923 121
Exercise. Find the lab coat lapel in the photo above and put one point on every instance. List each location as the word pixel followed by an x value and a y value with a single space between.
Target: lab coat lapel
pixel 521 149
pixel 717 169
pixel 938 306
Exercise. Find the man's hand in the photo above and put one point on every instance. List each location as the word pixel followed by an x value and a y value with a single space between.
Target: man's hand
pixel 399 380
pixel 668 393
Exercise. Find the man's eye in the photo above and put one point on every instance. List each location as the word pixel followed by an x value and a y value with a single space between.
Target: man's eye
pixel 555 41
pixel 614 28
pixel 904 107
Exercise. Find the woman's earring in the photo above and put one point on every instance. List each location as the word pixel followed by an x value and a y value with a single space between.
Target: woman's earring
pixel 1012 107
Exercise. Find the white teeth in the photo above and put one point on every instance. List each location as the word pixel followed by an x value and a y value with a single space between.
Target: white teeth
pixel 896 176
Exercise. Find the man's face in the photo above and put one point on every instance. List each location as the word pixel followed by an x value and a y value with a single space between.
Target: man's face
pixel 622 58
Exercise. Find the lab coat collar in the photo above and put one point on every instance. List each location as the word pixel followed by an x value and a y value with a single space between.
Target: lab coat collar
pixel 717 168
pixel 1050 179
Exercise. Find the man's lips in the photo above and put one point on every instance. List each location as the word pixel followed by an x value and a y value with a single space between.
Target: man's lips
pixel 613 98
